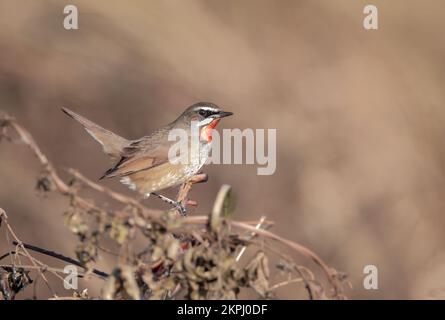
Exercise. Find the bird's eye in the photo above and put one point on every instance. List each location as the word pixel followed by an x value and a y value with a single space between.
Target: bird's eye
pixel 204 113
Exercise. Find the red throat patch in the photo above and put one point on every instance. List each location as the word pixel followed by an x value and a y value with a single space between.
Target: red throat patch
pixel 206 132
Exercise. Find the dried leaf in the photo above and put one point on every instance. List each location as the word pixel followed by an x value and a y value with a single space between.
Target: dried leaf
pixel 13 281
pixel 120 230
pixel 121 282
pixel 75 221
pixel 87 251
pixel 258 273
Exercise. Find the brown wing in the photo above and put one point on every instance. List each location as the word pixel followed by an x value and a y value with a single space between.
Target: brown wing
pixel 142 154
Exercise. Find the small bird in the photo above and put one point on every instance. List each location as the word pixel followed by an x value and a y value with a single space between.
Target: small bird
pixel 144 164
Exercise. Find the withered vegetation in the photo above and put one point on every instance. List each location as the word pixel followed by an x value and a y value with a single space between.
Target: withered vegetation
pixel 196 257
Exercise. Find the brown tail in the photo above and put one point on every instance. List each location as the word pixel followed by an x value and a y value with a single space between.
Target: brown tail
pixel 112 143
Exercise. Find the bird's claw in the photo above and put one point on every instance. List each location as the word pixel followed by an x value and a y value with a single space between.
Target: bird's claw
pixel 181 209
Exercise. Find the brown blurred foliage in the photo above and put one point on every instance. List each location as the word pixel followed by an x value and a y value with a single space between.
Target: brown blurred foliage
pixel 360 164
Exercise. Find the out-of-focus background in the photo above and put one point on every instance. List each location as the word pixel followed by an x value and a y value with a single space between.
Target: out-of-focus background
pixel 359 114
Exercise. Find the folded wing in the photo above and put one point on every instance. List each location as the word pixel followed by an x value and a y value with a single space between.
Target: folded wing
pixel 140 155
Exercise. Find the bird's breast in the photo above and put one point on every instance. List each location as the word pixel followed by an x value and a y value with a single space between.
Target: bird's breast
pixel 206 132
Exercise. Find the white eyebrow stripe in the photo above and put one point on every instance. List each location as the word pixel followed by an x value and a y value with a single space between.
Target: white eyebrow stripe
pixel 209 109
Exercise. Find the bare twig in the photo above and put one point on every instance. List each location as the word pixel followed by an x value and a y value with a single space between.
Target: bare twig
pixel 285 283
pixel 4 218
pixel 240 254
pixel 65 189
pixel 147 214
pixel 61 257
pixel 331 276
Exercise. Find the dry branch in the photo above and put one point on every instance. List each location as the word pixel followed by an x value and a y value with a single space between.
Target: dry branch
pixel 149 218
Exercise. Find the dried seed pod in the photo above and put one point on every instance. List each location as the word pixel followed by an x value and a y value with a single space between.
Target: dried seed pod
pixel 122 283
pixel 222 208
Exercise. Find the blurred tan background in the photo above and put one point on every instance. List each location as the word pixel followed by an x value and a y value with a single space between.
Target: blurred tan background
pixel 359 115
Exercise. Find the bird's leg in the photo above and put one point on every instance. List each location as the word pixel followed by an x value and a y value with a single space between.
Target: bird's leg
pixel 174 203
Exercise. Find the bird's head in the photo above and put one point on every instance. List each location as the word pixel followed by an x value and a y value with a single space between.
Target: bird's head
pixel 206 115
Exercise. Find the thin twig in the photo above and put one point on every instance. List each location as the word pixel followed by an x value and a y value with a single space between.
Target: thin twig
pixel 65 189
pixel 240 254
pixel 146 213
pixel 4 218
pixel 30 267
pixel 62 257
pixel 330 275
pixel 285 283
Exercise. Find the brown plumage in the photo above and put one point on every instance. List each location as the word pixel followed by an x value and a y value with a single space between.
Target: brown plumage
pixel 143 164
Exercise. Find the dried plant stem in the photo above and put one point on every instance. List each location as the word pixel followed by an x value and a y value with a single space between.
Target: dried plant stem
pixel 148 214
pixel 62 258
pixel 285 283
pixel 331 276
pixel 63 188
pixel 4 218
pixel 112 194
pixel 58 270
pixel 243 249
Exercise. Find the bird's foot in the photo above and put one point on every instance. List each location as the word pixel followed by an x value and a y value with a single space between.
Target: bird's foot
pixel 181 209
pixel 177 205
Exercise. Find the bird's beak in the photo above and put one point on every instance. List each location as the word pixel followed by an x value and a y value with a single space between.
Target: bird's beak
pixel 223 114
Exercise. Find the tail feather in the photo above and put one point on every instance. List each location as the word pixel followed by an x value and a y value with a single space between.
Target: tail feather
pixel 112 144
